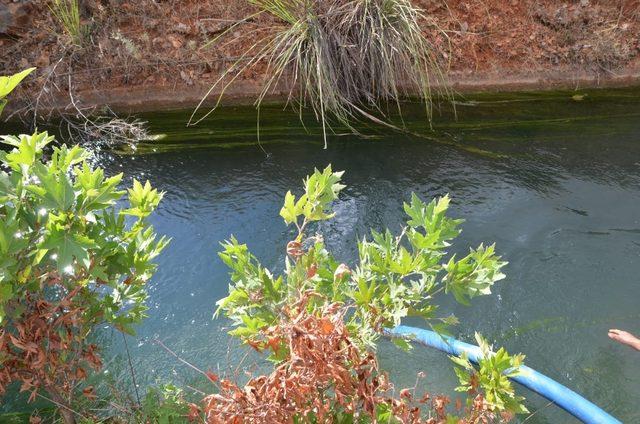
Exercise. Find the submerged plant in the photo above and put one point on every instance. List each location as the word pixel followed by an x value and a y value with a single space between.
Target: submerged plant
pixel 320 308
pixel 69 262
pixel 344 59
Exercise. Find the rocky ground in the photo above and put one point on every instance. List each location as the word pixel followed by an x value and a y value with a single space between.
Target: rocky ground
pixel 135 50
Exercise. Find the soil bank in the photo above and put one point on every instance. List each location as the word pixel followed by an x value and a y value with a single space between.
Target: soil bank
pixel 145 55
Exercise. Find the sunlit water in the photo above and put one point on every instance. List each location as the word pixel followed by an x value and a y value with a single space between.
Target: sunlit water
pixel 553 181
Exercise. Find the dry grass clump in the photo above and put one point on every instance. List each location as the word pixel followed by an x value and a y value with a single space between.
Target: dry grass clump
pixel 345 59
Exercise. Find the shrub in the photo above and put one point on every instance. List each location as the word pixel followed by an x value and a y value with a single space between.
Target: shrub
pixel 345 58
pixel 320 321
pixel 69 261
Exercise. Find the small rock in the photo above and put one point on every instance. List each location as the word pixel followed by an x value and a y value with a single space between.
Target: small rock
pixel 43 60
pixel 183 28
pixel 5 18
pixel 186 78
pixel 15 18
pixel 175 41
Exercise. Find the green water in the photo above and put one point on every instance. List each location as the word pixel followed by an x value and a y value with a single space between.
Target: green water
pixel 554 181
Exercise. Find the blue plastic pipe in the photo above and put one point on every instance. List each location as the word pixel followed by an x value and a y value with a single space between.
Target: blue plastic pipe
pixel 562 396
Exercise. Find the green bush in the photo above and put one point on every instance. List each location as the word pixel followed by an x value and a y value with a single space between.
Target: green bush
pixel 69 261
pixel 397 276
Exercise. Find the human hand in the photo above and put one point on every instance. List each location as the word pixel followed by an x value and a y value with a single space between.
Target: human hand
pixel 625 337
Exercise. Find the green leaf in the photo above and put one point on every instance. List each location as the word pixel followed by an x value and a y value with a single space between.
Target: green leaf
pixel 8 84
pixel 35 142
pixel 69 246
pixel 28 148
pixel 96 192
pixel 6 292
pixel 54 189
pixel 8 229
pixel 432 219
pixel 492 377
pixel 143 199
pixel 473 275
pixel 64 158
pixel 320 190
pixel 402 344
pixel 462 361
pixel 288 211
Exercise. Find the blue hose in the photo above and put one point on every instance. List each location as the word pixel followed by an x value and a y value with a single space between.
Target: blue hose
pixel 562 396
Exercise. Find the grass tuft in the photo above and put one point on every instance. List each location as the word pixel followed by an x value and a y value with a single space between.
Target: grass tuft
pixel 67 13
pixel 344 59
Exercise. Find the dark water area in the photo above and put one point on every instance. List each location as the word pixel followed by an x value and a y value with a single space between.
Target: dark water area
pixel 553 180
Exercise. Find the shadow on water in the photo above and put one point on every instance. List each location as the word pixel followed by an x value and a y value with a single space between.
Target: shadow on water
pixel 553 179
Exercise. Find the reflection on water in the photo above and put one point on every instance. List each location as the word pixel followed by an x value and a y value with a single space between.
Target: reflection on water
pixel 559 194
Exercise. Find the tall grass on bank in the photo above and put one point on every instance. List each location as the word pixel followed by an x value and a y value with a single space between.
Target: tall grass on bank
pixel 345 59
pixel 67 13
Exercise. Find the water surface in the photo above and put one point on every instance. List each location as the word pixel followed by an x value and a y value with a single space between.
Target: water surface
pixel 554 181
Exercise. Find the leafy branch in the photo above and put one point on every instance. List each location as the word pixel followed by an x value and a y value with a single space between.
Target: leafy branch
pixel 396 276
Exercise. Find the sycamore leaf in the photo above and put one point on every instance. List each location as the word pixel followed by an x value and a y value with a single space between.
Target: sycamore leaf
pixel 69 246
pixel 320 189
pixel 55 190
pixel 6 292
pixel 8 84
pixel 402 344
pixel 97 192
pixel 143 199
pixel 288 211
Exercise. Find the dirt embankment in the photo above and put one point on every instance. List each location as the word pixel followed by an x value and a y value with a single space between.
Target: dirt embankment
pixel 142 54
